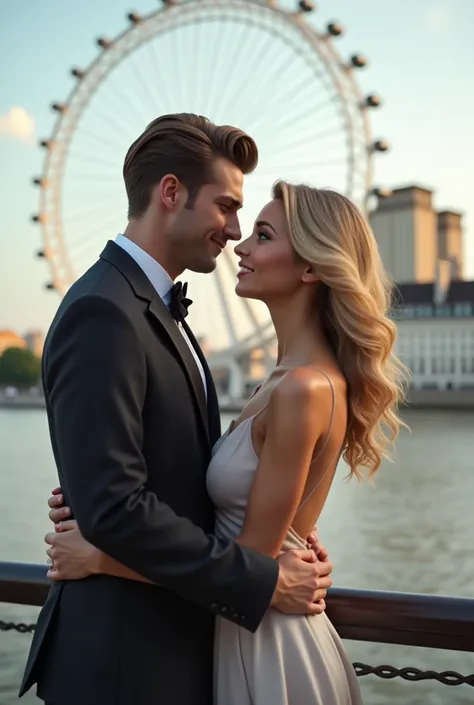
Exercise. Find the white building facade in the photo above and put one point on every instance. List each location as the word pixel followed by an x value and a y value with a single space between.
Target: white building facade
pixel 436 338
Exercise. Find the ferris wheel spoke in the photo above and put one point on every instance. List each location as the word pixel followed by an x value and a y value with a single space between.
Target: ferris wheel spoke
pixel 254 68
pixel 89 158
pixel 98 139
pixel 126 104
pixel 290 117
pixel 276 79
pixel 206 35
pixel 146 91
pixel 87 183
pixel 310 164
pixel 221 293
pixel 273 80
pixel 315 138
pixel 195 52
pixel 217 58
pixel 162 92
pixel 307 151
pixel 113 118
pixel 247 305
pixel 225 101
pixel 89 214
pixel 102 228
pixel 143 102
pixel 155 91
pixel 181 83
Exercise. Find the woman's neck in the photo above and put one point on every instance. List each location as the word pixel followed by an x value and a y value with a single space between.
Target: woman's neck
pixel 300 336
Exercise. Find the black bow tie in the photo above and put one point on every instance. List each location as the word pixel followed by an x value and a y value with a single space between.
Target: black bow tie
pixel 179 304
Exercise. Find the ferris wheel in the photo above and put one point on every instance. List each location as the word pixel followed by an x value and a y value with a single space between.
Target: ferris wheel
pixel 259 64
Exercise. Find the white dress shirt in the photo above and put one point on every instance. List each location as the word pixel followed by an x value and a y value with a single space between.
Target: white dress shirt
pixel 162 283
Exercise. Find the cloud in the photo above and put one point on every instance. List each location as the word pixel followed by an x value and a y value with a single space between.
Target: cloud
pixel 17 124
pixel 437 18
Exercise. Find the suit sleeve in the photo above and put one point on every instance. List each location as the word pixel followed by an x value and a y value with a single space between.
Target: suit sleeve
pixel 95 377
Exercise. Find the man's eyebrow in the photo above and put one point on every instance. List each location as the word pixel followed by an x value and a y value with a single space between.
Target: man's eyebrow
pixel 230 200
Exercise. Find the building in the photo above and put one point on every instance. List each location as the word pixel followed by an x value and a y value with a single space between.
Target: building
pixel 450 237
pixel 34 340
pixel 435 322
pixel 9 339
pixel 412 236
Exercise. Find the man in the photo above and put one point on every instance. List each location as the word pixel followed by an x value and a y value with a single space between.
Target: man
pixel 133 415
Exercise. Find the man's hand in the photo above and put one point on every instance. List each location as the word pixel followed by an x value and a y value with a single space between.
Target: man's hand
pixel 302 584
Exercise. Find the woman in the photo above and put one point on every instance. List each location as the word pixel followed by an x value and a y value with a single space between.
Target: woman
pixel 313 260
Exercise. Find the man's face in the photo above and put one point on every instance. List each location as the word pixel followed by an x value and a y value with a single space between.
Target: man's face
pixel 198 234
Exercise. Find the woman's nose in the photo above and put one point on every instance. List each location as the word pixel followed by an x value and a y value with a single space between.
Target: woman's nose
pixel 242 249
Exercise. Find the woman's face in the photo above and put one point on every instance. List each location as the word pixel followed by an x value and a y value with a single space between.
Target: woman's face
pixel 269 268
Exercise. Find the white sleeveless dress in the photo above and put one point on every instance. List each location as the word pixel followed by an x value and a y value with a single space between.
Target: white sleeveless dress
pixel 289 660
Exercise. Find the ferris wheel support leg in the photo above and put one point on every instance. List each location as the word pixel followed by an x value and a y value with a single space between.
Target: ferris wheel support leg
pixel 236 380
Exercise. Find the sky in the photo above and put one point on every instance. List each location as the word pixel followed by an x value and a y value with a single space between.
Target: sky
pixel 421 61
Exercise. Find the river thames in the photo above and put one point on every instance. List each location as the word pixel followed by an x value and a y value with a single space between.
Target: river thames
pixel 413 531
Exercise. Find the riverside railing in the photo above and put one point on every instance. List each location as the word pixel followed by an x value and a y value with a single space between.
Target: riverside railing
pixel 363 615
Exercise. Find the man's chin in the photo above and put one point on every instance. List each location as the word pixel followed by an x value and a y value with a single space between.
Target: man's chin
pixel 204 267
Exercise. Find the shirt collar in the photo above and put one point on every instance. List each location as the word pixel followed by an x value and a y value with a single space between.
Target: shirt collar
pixel 160 279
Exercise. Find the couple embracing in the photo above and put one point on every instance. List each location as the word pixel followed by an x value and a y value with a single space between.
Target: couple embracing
pixel 185 567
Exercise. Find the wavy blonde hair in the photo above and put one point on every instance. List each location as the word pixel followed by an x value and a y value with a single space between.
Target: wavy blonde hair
pixel 330 233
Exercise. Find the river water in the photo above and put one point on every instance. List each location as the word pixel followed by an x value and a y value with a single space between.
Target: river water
pixel 413 531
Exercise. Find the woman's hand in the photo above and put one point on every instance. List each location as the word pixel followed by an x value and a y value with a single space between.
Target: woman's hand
pixel 72 557
pixel 58 512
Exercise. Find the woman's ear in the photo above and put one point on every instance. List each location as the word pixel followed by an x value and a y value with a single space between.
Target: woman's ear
pixel 308 276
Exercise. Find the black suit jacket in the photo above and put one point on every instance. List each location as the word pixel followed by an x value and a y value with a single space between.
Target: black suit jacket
pixel 132 434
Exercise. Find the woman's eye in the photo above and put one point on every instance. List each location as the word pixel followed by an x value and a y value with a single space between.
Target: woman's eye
pixel 262 235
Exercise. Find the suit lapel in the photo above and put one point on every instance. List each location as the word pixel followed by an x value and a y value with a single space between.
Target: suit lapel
pixel 212 400
pixel 144 290
pixel 160 312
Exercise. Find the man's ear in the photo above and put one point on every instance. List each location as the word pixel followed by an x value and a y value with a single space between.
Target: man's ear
pixel 168 192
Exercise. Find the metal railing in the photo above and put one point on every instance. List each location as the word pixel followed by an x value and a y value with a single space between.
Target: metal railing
pixel 363 615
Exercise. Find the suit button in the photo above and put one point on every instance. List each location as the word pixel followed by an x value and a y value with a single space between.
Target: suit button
pixel 223 608
pixel 243 617
pixel 214 606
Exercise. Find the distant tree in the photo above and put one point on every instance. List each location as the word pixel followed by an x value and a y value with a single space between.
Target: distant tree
pixel 19 368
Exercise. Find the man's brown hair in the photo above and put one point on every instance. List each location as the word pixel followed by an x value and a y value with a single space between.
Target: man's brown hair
pixel 187 146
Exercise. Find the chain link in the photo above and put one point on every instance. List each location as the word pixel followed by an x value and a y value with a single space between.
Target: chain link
pixel 361 669
pixel 413 674
pixel 17 627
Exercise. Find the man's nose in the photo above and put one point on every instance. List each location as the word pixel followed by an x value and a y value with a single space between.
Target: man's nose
pixel 232 229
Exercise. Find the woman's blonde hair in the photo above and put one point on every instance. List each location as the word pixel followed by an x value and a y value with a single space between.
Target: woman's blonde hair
pixel 329 232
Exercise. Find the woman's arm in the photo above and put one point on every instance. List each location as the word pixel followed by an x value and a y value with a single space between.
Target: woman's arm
pixel 296 419
pixel 74 558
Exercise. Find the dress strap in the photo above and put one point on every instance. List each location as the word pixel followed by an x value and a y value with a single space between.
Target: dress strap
pixel 326 440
